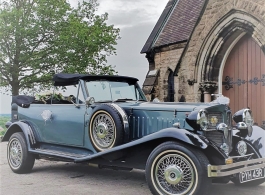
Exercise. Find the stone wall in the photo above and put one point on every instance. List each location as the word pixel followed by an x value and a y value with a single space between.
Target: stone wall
pixel 166 60
pixel 217 17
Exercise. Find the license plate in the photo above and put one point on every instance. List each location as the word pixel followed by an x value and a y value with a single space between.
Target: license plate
pixel 250 175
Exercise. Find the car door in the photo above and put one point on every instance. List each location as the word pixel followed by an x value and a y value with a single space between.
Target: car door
pixel 66 123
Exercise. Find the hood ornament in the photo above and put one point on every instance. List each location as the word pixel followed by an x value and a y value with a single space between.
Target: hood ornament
pixel 220 99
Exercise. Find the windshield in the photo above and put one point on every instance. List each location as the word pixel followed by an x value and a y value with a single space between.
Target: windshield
pixel 113 91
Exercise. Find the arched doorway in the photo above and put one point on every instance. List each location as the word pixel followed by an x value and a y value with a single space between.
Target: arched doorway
pixel 244 78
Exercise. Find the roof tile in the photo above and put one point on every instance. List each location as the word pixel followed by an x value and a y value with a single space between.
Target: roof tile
pixel 181 23
pixel 178 26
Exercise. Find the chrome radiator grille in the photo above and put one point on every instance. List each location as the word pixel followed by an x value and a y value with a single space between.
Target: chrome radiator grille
pixel 219 118
pixel 215 136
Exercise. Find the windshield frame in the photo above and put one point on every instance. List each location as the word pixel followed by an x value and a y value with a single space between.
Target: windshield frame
pixel 139 95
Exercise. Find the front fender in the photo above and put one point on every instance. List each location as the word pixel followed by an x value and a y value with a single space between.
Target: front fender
pixel 178 134
pixel 21 127
pixel 257 139
pixel 169 133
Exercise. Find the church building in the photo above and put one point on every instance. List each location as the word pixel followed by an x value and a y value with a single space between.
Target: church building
pixel 203 47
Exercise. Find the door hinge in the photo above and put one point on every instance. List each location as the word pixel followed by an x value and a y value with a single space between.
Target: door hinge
pixel 86 123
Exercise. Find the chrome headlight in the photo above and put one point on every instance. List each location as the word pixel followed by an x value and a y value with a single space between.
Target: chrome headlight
pixel 241 148
pixel 244 116
pixel 247 117
pixel 202 119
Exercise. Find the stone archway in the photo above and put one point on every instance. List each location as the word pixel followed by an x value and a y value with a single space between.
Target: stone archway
pixel 214 67
pixel 219 39
pixel 215 48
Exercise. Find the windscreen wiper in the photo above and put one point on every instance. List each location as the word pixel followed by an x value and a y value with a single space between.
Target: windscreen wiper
pixel 123 100
pixel 103 101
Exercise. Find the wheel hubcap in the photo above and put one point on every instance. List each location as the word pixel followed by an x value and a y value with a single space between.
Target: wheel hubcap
pixel 15 153
pixel 174 174
pixel 102 130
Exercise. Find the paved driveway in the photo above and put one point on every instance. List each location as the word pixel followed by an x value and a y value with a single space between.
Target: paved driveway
pixel 56 178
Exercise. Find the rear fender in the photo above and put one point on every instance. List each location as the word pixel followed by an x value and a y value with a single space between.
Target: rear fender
pixel 21 126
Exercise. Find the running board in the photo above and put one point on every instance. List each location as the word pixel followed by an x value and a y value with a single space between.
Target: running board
pixel 59 154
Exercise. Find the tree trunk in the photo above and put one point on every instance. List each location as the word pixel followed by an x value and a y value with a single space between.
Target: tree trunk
pixel 15 89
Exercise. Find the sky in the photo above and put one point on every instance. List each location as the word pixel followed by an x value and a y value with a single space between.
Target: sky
pixel 136 20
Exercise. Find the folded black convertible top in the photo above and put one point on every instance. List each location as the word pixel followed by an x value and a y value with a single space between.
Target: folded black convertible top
pixel 23 101
pixel 65 79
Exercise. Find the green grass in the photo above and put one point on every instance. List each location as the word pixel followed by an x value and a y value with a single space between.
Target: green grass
pixel 3 120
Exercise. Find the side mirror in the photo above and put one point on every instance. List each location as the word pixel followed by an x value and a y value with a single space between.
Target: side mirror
pixel 90 101
pixel 7 125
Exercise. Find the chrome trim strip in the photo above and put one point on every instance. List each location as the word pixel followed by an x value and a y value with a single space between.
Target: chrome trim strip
pixel 122 113
pixel 221 170
pixel 208 130
pixel 31 135
pixel 249 145
pixel 247 155
pixel 124 120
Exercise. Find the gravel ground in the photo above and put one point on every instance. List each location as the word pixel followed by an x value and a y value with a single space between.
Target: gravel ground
pixel 56 178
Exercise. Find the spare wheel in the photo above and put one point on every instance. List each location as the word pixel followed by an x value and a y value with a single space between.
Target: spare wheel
pixel 106 128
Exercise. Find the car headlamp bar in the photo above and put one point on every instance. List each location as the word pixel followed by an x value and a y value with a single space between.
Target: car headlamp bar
pixel 247 117
pixel 202 119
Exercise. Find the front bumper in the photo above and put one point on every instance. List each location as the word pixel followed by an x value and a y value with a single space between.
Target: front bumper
pixel 225 170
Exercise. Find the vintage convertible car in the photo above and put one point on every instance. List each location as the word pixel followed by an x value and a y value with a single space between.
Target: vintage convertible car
pixel 183 147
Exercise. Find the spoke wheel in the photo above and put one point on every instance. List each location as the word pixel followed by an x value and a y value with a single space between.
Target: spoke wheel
pixel 103 130
pixel 174 173
pixel 106 128
pixel 19 159
pixel 177 169
pixel 15 153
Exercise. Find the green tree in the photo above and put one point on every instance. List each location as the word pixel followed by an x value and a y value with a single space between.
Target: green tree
pixel 41 37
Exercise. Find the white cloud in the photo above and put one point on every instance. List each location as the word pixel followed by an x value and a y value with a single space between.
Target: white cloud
pixel 132 12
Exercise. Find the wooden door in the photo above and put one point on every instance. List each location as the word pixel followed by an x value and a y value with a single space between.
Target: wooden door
pixel 244 78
